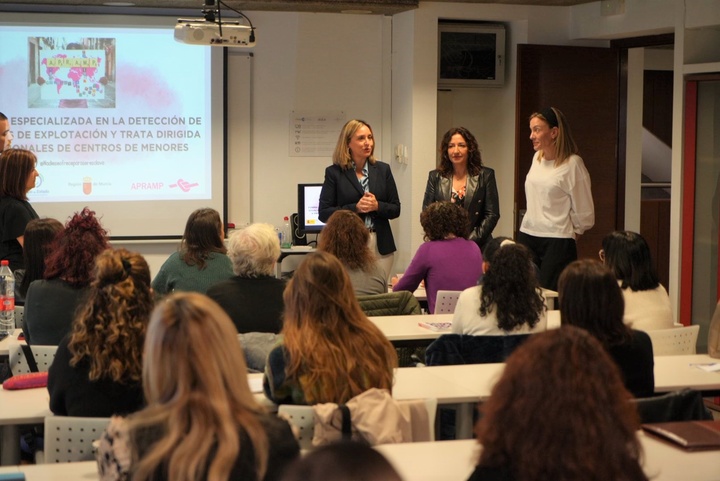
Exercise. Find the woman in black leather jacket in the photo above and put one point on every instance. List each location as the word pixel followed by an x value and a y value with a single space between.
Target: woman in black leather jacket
pixel 461 178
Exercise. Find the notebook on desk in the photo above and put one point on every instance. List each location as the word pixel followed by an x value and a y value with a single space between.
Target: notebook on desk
pixel 688 435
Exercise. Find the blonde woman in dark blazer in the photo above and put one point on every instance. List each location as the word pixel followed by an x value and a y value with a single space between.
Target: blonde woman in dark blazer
pixel 358 182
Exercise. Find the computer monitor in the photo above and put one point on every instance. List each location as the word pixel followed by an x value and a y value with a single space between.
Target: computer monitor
pixel 308 208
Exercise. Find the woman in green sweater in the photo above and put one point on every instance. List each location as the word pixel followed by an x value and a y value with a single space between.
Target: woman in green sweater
pixel 201 260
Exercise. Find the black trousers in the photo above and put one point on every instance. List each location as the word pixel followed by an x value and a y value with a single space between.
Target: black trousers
pixel 551 255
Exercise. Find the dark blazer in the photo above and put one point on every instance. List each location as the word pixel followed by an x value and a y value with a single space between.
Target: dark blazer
pixel 342 190
pixel 481 200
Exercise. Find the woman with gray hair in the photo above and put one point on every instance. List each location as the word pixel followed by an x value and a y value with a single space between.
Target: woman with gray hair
pixel 254 297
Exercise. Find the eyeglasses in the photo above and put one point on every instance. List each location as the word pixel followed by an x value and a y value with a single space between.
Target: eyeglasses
pixel 601 255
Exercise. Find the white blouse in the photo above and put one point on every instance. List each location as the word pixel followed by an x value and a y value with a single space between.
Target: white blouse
pixel 647 310
pixel 559 199
pixel 467 318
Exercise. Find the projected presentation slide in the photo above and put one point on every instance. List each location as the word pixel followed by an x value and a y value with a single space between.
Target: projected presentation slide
pixel 113 114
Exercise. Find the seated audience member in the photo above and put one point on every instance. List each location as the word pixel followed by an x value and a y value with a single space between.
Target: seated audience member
pixel 587 427
pixel 590 298
pixel 330 352
pixel 509 301
pixel 51 302
pixel 201 260
pixel 346 237
pixel 201 421
pixel 97 369
pixel 342 461
pixel 39 233
pixel 647 304
pixel 448 260
pixel 254 297
pixel 491 248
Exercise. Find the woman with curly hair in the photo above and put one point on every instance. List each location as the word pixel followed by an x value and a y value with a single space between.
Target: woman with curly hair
pixel 330 352
pixel 586 429
pixel 97 368
pixel 51 302
pixel 462 178
pixel 590 298
pixel 448 260
pixel 201 261
pixel 201 421
pixel 346 237
pixel 509 301
pixel 17 177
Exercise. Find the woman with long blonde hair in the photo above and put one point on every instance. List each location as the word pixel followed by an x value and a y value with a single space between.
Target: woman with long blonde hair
pixel 331 351
pixel 201 422
pixel 97 368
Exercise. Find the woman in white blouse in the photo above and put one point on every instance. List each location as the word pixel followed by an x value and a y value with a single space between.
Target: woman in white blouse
pixel 647 304
pixel 559 199
pixel 509 301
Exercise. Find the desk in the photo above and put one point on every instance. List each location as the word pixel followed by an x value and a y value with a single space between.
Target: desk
pixel 455 460
pixel 12 338
pixel 550 296
pixel 56 472
pixel 405 331
pixel 293 251
pixel 26 406
pixel 677 372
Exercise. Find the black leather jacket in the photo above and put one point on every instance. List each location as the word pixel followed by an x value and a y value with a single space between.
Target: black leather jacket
pixel 481 200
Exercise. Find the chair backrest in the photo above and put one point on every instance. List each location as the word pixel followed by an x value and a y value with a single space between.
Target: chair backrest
pixel 675 341
pixel 465 349
pixel 685 405
pixel 19 316
pixel 302 418
pixel 44 356
pixel 69 439
pixel 390 304
pixel 445 301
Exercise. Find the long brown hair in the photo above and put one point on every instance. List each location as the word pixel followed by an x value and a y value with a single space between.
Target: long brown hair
pixel 474 162
pixel 560 411
pixel 109 329
pixel 194 377
pixel 16 165
pixel 590 298
pixel 203 235
pixel 334 350
pixel 346 237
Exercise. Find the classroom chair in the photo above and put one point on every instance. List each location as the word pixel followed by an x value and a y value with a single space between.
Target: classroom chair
pixel 44 356
pixel 69 439
pixel 675 341
pixel 465 349
pixel 19 316
pixel 445 301
pixel 684 405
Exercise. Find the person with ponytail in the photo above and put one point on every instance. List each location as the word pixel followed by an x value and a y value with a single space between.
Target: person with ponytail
pixel 559 198
pixel 98 366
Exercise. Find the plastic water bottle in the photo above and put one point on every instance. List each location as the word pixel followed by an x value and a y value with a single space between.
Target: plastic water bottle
pixel 286 234
pixel 7 298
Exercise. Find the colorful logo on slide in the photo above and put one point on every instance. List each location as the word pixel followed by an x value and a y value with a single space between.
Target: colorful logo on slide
pixel 184 185
pixel 87 185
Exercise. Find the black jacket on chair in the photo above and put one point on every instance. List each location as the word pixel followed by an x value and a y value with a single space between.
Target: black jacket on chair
pixel 342 190
pixel 481 200
pixel 465 349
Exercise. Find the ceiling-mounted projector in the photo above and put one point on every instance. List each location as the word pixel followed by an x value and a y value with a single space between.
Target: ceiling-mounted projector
pixel 198 31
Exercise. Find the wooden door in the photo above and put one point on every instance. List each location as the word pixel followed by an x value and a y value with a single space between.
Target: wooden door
pixel 584 83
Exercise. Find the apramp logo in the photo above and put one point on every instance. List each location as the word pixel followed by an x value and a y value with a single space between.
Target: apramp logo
pixel 184 185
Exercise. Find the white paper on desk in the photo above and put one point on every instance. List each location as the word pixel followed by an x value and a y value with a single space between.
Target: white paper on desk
pixel 709 367
pixel 256 384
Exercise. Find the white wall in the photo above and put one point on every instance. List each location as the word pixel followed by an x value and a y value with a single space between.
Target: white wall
pixel 329 62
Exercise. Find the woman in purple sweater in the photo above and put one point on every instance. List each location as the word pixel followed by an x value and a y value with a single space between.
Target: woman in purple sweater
pixel 448 260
